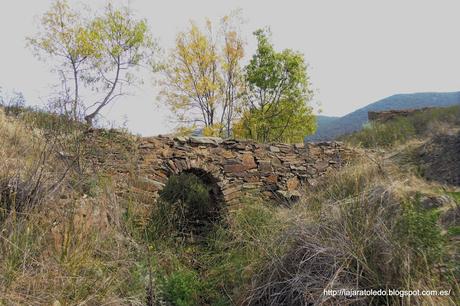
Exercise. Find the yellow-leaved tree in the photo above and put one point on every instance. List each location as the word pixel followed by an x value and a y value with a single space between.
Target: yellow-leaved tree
pixel 202 78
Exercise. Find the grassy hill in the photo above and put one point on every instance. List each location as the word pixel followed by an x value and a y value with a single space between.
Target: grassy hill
pixel 330 128
pixel 75 229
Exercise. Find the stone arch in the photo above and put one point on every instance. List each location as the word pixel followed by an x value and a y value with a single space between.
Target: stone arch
pixel 229 188
pixel 212 182
pixel 276 170
pixel 208 175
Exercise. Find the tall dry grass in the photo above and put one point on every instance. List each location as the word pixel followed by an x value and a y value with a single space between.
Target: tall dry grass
pixel 58 245
pixel 361 229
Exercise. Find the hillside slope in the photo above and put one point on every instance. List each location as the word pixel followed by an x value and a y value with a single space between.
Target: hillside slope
pixel 78 226
pixel 325 120
pixel 329 129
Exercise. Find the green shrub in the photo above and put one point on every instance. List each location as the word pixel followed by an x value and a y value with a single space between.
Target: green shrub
pixel 182 287
pixel 454 230
pixel 185 205
pixel 234 252
pixel 418 229
pixel 456 196
pixel 383 135
pixel 399 130
pixel 219 269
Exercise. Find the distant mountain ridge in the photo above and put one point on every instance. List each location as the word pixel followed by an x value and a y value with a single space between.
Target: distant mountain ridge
pixel 331 127
pixel 324 120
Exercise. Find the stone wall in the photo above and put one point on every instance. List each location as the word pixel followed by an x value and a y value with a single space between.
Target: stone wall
pixel 236 166
pixel 384 116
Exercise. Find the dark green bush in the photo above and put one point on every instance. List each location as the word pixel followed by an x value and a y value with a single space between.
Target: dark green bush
pixel 186 205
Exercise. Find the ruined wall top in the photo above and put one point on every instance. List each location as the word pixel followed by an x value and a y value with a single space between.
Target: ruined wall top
pixel 384 116
pixel 277 169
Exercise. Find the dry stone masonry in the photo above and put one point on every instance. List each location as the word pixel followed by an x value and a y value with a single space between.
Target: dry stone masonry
pixel 385 116
pixel 237 166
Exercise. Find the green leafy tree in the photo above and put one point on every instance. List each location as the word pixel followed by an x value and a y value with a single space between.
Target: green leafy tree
pixel 62 38
pixel 278 95
pixel 99 53
pixel 120 43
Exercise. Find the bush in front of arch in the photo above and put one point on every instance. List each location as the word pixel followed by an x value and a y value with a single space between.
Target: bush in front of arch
pixel 185 206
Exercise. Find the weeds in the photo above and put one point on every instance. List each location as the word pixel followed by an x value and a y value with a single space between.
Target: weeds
pixel 361 228
pixel 368 237
pixel 185 206
pixel 218 269
pixel 55 245
pixel 400 130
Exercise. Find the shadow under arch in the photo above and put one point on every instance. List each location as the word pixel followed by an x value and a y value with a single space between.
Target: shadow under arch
pixel 201 219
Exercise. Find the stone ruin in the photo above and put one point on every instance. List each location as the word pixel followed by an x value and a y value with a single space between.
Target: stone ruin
pixel 385 116
pixel 235 166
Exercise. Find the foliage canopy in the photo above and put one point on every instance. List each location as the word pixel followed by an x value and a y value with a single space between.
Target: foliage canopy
pixel 202 82
pixel 278 94
pixel 99 52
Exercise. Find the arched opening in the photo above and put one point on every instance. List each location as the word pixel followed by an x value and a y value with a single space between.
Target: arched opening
pixel 189 203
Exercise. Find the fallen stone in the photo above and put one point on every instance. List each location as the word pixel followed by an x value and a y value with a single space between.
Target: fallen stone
pixel 429 202
pixel 182 139
pixel 312 182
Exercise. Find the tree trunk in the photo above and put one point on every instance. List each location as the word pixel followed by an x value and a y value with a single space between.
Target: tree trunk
pixel 75 102
pixel 89 118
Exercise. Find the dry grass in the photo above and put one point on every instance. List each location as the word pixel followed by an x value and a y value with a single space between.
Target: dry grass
pixel 78 244
pixel 66 247
pixel 400 130
pixel 361 229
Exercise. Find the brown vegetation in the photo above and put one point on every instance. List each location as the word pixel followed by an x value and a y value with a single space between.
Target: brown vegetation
pixel 77 229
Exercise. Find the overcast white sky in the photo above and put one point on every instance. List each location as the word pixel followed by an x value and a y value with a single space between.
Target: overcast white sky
pixel 358 51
